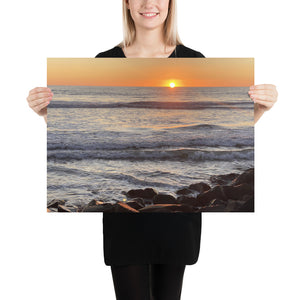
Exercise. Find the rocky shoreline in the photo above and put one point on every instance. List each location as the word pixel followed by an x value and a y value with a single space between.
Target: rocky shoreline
pixel 227 193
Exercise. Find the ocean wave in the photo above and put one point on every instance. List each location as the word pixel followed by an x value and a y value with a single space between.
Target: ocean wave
pixel 134 180
pixel 128 178
pixel 151 145
pixel 69 170
pixel 164 155
pixel 156 104
pixel 199 126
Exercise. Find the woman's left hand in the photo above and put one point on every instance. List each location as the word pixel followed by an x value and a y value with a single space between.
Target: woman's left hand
pixel 264 96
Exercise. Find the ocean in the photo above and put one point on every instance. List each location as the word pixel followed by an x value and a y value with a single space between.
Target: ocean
pixel 104 141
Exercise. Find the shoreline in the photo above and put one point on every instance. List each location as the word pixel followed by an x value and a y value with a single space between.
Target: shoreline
pixel 230 193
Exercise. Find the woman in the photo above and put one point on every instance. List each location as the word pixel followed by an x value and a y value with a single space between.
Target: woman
pixel 148 252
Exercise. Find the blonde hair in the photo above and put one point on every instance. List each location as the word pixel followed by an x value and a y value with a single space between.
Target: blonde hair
pixel 170 27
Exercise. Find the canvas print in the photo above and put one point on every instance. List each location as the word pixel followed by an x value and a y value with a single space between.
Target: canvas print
pixel 172 135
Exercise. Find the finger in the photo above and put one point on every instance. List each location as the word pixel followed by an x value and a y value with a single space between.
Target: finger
pixel 262 92
pixel 38 96
pixel 40 107
pixel 263 98
pixel 38 102
pixel 263 87
pixel 39 89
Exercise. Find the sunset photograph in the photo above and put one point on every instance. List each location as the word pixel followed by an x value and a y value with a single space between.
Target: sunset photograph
pixel 150 135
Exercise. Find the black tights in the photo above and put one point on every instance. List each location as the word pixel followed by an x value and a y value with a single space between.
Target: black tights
pixel 148 282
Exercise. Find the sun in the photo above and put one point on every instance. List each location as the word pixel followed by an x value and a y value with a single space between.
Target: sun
pixel 172 84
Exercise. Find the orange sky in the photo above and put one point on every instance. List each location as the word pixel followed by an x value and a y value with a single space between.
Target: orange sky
pixel 151 71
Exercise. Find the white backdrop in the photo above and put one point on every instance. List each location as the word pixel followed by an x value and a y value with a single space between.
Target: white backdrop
pixel 60 256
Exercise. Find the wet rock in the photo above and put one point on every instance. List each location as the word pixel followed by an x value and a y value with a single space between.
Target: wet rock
pixel 124 207
pixel 148 201
pixel 95 202
pixel 51 209
pixel 155 208
pixel 187 200
pixel 233 205
pixel 238 191
pixel 169 208
pixel 73 208
pixel 147 193
pixel 184 191
pixel 105 207
pixel 62 208
pixel 246 177
pixel 200 187
pixel 248 205
pixel 217 202
pixel 164 199
pixel 213 208
pixel 55 202
pixel 211 199
pixel 181 199
pixel 138 200
pixel 214 193
pixel 134 204
pixel 223 179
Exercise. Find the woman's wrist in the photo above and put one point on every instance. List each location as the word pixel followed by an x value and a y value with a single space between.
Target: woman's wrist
pixel 258 111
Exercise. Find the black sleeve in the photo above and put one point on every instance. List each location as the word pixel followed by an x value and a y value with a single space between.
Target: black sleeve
pixel 183 51
pixel 114 52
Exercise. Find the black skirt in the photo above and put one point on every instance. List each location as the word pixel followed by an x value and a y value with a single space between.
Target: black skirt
pixel 151 238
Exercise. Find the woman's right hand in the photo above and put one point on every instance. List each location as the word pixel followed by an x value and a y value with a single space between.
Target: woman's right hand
pixel 38 99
